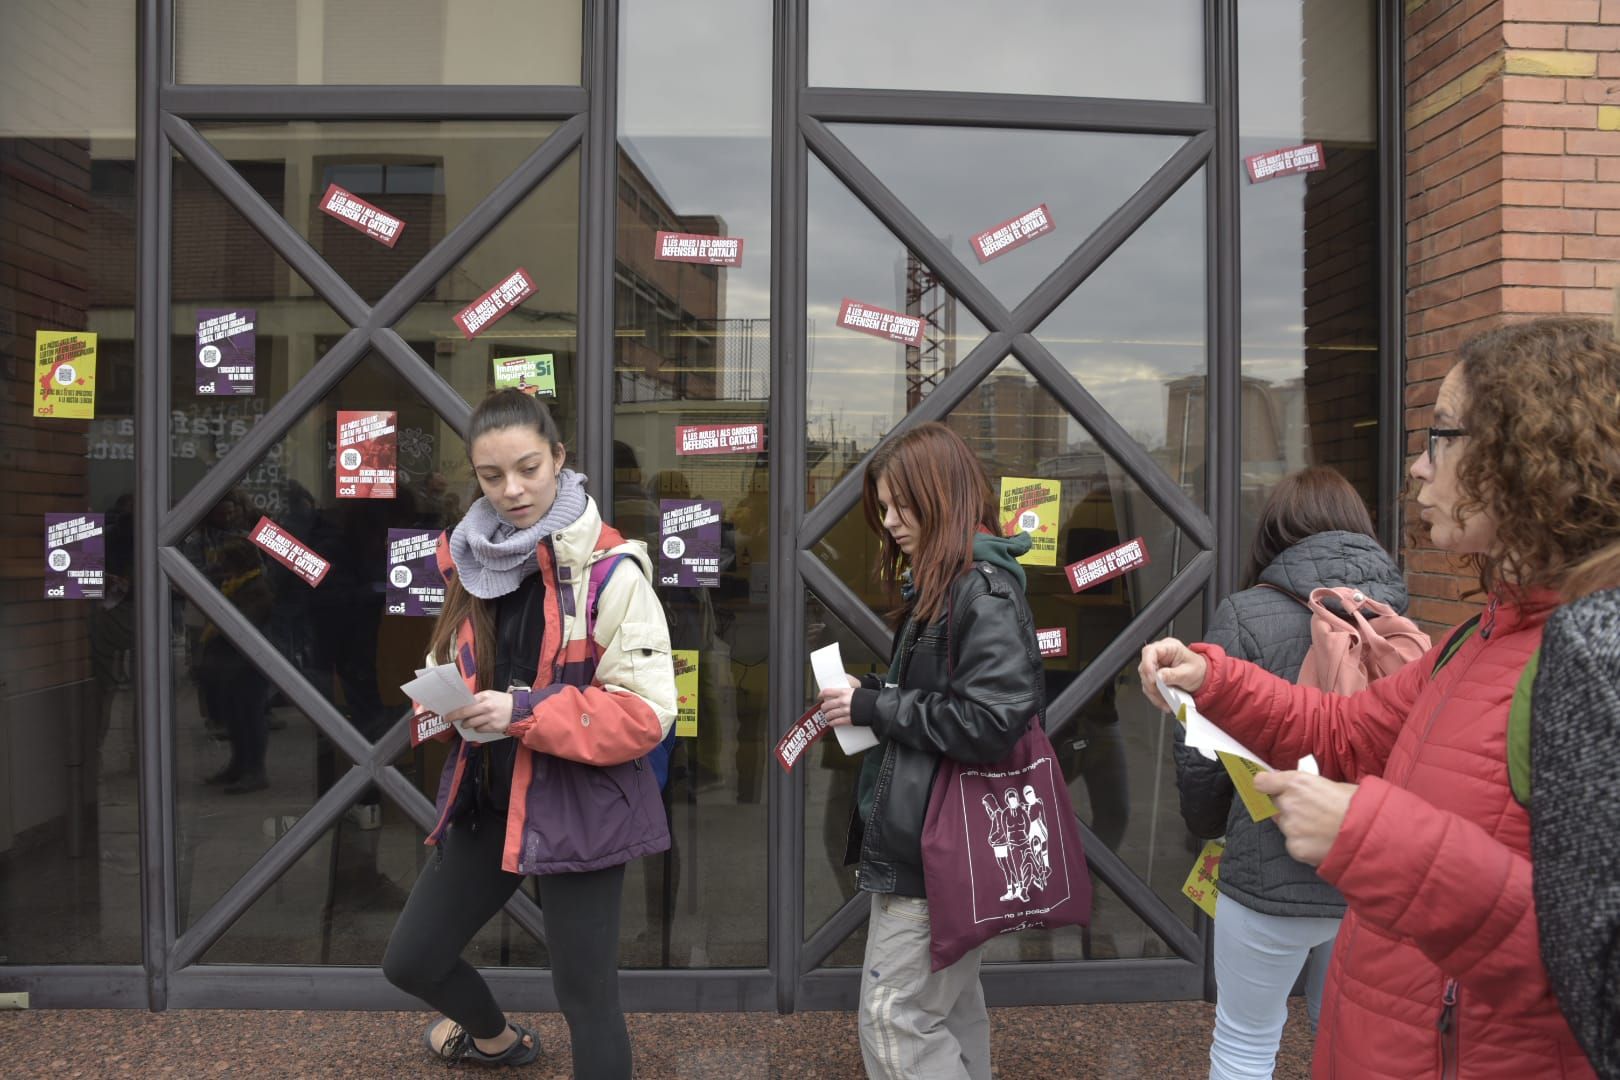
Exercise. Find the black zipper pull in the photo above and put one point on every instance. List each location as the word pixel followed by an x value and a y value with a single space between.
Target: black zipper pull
pixel 1450 1003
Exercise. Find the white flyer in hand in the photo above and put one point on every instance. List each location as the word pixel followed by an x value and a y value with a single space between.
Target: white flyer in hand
pixel 828 664
pixel 1202 734
pixel 440 690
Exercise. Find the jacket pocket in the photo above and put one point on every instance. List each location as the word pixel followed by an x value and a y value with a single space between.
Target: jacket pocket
pixel 645 646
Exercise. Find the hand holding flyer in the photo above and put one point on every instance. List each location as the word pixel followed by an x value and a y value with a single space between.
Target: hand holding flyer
pixel 828 664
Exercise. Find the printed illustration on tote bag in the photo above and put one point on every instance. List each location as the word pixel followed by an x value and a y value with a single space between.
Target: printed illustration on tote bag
pixel 1014 853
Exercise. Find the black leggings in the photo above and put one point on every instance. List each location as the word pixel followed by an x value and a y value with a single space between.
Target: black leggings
pixel 459 891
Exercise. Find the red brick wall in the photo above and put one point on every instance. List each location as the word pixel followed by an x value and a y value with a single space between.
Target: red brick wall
pixel 1513 195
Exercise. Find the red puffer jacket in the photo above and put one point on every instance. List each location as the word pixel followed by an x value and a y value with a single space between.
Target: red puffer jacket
pixel 1437 971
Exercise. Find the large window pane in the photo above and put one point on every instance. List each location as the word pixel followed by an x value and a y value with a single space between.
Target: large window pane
pixel 691 350
pixel 69 850
pixel 1145 49
pixel 1310 251
pixel 378 42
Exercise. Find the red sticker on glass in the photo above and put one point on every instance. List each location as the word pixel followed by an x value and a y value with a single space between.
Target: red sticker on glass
pixel 1053 642
pixel 692 248
pixel 1011 234
pixel 1106 565
pixel 367 453
pixel 425 726
pixel 1285 162
pixel 802 736
pixel 286 550
pixel 719 438
pixel 880 322
pixel 477 315
pixel 361 216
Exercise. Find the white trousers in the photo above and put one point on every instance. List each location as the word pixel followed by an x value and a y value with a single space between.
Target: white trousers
pixel 1257 959
pixel 918 1024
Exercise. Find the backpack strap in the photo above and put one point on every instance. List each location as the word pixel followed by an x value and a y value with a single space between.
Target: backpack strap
pixel 1518 731
pixel 1453 643
pixel 601 570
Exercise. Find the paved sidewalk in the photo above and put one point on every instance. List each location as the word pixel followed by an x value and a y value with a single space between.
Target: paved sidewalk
pixel 1156 1041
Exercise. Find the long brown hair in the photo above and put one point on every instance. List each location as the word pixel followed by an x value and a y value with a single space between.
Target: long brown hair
pixel 1313 500
pixel 502 409
pixel 1543 455
pixel 932 475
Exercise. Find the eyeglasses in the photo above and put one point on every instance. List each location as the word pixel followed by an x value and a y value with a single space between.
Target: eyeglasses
pixel 1438 433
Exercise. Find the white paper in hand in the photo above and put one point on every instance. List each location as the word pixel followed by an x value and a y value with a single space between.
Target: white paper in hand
pixel 1202 734
pixel 827 663
pixel 440 690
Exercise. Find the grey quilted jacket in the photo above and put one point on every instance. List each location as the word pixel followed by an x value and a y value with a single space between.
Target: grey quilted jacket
pixel 1274 631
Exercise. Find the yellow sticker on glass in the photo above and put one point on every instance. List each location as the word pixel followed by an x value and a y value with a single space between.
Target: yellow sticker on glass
pixel 65 374
pixel 1200 886
pixel 1031 506
pixel 686 692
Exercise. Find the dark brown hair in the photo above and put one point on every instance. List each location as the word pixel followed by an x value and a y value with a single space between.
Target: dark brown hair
pixel 502 409
pixel 934 477
pixel 1542 411
pixel 1313 500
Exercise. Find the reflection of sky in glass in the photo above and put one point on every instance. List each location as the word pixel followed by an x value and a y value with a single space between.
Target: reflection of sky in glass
pixel 856 384
pixel 963 181
pixel 1138 323
pixel 1143 49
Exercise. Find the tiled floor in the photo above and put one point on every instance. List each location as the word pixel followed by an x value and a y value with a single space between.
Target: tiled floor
pixel 1156 1041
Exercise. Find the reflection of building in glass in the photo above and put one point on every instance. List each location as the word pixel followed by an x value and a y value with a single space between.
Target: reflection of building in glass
pixel 931 361
pixel 1011 421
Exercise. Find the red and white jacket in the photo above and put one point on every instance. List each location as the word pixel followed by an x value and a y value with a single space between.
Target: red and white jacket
pixel 1437 969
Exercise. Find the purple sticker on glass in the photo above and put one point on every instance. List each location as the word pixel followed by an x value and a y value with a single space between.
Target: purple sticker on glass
pixel 415 586
pixel 689 543
pixel 226 351
pixel 75 556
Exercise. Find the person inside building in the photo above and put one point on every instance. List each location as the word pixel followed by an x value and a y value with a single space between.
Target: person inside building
pixel 1437 970
pixel 1274 915
pixel 1574 751
pixel 575 696
pixel 964 680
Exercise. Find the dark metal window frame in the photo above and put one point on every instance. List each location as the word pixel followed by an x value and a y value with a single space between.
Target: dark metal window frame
pixel 170 975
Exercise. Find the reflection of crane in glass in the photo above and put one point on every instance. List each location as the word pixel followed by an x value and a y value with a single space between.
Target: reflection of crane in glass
pixel 931 361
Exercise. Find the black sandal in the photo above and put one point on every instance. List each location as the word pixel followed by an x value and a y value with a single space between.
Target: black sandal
pixel 459 1046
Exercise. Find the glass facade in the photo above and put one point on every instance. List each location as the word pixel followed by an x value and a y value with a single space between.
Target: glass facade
pixel 226 807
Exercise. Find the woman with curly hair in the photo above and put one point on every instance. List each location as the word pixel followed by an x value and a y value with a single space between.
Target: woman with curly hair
pixel 1437 971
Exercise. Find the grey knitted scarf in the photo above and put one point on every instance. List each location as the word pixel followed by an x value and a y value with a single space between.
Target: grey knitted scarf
pixel 493 556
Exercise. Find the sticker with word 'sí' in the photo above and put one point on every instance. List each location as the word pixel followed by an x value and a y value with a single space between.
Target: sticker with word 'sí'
pixel 289 551
pixel 1000 239
pixel 534 375
pixel 415 586
pixel 361 216
pixel 498 302
pixel 692 248
pixel 75 556
pixel 65 374
pixel 1031 506
pixel 226 351
pixel 880 322
pixel 1106 565
pixel 689 543
pixel 367 455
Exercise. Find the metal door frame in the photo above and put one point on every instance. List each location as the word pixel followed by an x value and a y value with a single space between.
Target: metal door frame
pixel 170 976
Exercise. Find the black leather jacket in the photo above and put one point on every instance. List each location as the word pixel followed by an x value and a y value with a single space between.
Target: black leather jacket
pixel 972 707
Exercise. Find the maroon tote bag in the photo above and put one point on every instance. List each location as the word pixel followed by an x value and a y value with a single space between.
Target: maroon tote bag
pixel 1001 850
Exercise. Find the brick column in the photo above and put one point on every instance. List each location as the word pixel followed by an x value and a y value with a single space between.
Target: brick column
pixel 1513 196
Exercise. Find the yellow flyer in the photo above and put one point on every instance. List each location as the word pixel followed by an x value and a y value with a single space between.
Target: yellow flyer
pixel 1242 771
pixel 1200 886
pixel 1029 505
pixel 686 692
pixel 65 374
